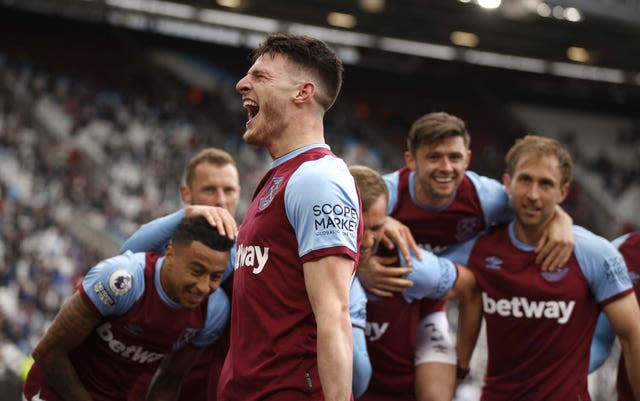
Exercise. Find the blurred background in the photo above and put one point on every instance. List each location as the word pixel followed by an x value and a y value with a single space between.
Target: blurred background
pixel 102 102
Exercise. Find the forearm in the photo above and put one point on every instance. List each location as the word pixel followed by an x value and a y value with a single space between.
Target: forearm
pixel 154 235
pixel 631 353
pixel 164 388
pixel 62 377
pixel 469 324
pixel 335 356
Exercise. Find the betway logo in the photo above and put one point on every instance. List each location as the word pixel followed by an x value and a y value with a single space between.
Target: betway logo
pixel 252 256
pixel 521 307
pixel 134 352
pixel 375 330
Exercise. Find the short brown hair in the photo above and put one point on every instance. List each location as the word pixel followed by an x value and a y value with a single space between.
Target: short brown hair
pixel 370 183
pixel 215 156
pixel 540 146
pixel 434 127
pixel 311 54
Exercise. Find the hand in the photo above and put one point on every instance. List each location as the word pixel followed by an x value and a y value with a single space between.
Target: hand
pixel 381 276
pixel 216 216
pixel 557 242
pixel 396 233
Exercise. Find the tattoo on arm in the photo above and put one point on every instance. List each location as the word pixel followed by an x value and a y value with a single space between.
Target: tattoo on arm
pixel 71 326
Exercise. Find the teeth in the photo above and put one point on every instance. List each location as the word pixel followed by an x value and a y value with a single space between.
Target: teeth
pixel 444 179
pixel 249 103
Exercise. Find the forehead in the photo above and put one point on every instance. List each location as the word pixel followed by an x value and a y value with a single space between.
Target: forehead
pixel 539 165
pixel 450 144
pixel 211 173
pixel 270 62
pixel 376 213
pixel 198 253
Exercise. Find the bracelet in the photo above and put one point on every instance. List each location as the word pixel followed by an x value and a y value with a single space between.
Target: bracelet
pixel 462 373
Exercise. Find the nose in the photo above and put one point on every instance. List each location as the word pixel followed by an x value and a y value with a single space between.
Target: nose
pixel 533 192
pixel 445 164
pixel 203 285
pixel 243 84
pixel 219 198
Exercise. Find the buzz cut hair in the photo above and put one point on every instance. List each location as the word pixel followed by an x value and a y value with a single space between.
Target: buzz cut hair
pixel 215 156
pixel 198 229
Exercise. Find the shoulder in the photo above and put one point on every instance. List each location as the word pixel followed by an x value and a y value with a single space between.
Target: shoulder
pixel 323 170
pixel 591 245
pixel 115 283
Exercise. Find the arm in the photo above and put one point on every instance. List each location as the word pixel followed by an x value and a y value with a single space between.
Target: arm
pixel 396 233
pixel 165 385
pixel 603 339
pixel 624 316
pixel 382 277
pixel 557 242
pixel 71 326
pixel 327 282
pixel 157 233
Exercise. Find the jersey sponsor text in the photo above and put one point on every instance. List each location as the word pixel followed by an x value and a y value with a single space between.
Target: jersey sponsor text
pixel 252 256
pixel 134 352
pixel 521 307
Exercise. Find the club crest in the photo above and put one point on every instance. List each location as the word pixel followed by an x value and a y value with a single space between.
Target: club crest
pixel 270 193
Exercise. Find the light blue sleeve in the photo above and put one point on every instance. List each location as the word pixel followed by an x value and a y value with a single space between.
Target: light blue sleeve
pixel 392 180
pixel 322 205
pixel 602 265
pixel 155 235
pixel 217 319
pixel 460 253
pixel 361 364
pixel 604 335
pixel 432 276
pixel 494 200
pixel 603 339
pixel 231 264
pixel 115 284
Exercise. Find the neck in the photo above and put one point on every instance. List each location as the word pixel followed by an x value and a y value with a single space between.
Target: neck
pixel 527 234
pixel 298 134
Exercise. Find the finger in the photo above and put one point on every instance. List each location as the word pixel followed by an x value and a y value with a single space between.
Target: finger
pixel 415 248
pixel 543 253
pixel 387 243
pixel 391 272
pixel 395 284
pixel 544 240
pixel 380 293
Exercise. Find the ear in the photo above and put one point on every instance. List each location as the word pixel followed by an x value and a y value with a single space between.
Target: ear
pixel 468 159
pixel 306 92
pixel 506 181
pixel 410 160
pixel 564 191
pixel 185 194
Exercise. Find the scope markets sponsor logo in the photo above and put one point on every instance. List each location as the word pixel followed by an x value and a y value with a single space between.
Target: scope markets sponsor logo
pixel 133 352
pixel 335 218
pixel 521 307
pixel 253 256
